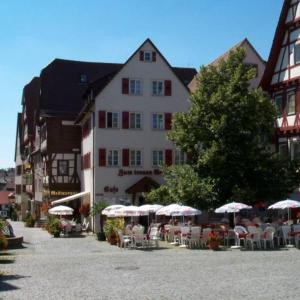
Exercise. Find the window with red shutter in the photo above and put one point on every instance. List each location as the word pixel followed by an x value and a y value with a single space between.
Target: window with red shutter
pixel 168 87
pixel 102 157
pixel 125 119
pixel 102 119
pixel 125 157
pixel 168 121
pixel 141 55
pixel 153 56
pixel 168 157
pixel 125 86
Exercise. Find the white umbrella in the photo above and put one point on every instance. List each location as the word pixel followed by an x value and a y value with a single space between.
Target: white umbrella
pixel 61 210
pixel 288 203
pixel 168 210
pixel 232 207
pixel 186 211
pixel 149 208
pixel 109 210
pixel 128 211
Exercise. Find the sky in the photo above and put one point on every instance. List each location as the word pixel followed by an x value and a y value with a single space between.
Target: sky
pixel 189 33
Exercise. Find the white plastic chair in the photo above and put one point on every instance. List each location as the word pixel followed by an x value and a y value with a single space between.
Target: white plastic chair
pixel 204 236
pixel 154 237
pixel 184 235
pixel 194 238
pixel 125 240
pixel 268 237
pixel 285 234
pixel 254 237
pixel 240 234
pixel 140 240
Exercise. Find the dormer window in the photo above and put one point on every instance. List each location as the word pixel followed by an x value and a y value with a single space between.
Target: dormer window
pixel 147 56
pixel 83 78
pixel 297 53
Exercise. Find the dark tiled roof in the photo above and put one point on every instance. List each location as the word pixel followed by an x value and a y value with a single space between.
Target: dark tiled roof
pixel 61 88
pixel 186 75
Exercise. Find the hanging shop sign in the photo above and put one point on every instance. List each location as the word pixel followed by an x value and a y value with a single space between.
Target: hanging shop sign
pixel 58 193
pixel 124 172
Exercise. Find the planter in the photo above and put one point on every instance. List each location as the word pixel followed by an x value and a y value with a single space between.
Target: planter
pixel 214 245
pixel 100 236
pixel 112 240
pixel 56 234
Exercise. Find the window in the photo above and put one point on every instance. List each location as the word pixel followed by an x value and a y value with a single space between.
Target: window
pixel 135 87
pixel 296 150
pixel 278 104
pixel 158 121
pixel 283 149
pixel 157 88
pixel 135 158
pixel 179 157
pixel 147 56
pixel 157 157
pixel 135 121
pixel 112 120
pixel 113 158
pixel 297 54
pixel 291 103
pixel 63 168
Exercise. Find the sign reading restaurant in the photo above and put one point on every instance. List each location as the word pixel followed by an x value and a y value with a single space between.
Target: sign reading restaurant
pixel 58 193
pixel 123 172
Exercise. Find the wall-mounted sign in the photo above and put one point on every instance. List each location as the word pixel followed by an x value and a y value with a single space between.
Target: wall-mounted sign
pixel 58 193
pixel 123 172
pixel 111 189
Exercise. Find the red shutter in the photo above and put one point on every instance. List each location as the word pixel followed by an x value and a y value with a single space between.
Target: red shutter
pixel 168 157
pixel 168 121
pixel 102 157
pixel 168 87
pixel 88 160
pixel 125 119
pixel 141 55
pixel 125 157
pixel 153 56
pixel 102 117
pixel 125 86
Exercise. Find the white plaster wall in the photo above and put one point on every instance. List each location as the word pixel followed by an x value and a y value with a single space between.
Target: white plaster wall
pixel 111 99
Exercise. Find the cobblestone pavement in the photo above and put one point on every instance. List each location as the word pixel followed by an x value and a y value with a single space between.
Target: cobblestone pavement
pixel 83 268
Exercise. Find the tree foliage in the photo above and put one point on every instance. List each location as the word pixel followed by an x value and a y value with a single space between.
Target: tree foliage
pixel 227 133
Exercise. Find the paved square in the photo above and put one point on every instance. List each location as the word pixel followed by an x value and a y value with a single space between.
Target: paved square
pixel 83 268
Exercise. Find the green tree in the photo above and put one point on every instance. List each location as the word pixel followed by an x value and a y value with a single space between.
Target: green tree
pixel 227 133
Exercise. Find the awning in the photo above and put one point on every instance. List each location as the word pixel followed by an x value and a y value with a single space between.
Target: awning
pixel 146 184
pixel 70 198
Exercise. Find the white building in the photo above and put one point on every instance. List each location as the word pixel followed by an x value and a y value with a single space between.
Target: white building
pixel 125 122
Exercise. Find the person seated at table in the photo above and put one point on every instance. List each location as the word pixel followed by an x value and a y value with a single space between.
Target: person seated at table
pixel 129 227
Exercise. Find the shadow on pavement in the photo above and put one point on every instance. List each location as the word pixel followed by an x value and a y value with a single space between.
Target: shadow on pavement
pixel 5 286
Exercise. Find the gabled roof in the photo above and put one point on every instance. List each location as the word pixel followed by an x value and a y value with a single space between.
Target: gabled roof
pixel 184 75
pixel 61 88
pixel 146 184
pixel 243 43
pixel 276 45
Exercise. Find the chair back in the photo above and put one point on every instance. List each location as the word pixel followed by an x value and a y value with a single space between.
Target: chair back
pixel 206 232
pixel 185 230
pixel 240 229
pixel 285 230
pixel 269 233
pixel 195 232
pixel 296 228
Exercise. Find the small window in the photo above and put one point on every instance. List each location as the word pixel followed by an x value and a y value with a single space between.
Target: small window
pixel 112 120
pixel 147 56
pixel 135 158
pixel 297 54
pixel 113 158
pixel 135 121
pixel 157 88
pixel 291 103
pixel 135 87
pixel 157 158
pixel 278 104
pixel 83 78
pixel 158 121
pixel 283 149
pixel 296 150
pixel 63 168
pixel 179 157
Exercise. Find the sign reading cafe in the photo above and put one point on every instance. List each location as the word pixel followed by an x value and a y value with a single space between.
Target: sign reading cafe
pixel 123 172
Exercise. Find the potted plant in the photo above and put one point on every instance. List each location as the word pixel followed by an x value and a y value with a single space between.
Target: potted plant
pixel 96 210
pixel 53 226
pixel 111 228
pixel 213 240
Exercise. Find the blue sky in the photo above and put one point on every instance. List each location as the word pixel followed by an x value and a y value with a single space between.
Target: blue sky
pixel 188 33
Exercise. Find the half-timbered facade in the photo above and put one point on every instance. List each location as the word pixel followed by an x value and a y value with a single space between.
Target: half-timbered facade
pixel 125 122
pixel 282 79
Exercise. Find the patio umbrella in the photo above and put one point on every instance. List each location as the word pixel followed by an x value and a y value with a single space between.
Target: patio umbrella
pixel 232 207
pixel 288 203
pixel 128 211
pixel 186 211
pixel 61 210
pixel 109 211
pixel 149 208
pixel 168 210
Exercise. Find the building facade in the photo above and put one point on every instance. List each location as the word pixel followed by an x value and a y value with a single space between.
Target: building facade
pixel 282 79
pixel 125 124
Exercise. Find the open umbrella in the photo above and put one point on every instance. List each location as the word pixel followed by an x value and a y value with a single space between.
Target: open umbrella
pixel 149 208
pixel 109 211
pixel 232 207
pixel 168 210
pixel 185 211
pixel 288 203
pixel 61 210
pixel 128 211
